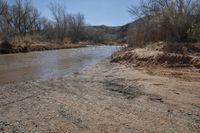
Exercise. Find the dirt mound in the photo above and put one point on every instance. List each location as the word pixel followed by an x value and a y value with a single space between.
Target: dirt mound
pixel 146 57
pixel 178 48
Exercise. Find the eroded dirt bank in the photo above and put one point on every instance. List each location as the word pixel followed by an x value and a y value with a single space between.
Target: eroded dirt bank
pixel 105 98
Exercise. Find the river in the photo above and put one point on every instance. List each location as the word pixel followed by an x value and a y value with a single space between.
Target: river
pixel 50 64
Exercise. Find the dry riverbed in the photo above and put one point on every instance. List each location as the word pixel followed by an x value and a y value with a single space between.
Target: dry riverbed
pixel 103 98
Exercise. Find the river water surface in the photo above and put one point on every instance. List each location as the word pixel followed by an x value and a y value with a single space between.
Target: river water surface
pixel 50 64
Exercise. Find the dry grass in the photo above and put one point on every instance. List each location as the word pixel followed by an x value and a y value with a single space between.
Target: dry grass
pixel 26 45
pixel 160 54
pixel 162 59
pixel 144 57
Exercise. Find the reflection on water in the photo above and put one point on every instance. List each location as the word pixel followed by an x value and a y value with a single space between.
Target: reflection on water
pixel 49 64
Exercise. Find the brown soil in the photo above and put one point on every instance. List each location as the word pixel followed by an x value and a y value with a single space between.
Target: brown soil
pixel 145 57
pixel 104 98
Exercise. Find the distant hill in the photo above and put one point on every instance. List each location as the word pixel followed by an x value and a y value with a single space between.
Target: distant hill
pixel 113 32
pixel 116 32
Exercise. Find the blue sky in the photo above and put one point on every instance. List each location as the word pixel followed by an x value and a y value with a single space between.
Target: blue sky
pixel 97 12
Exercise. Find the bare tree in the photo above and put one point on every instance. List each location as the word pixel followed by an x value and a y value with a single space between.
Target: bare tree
pixel 166 20
pixel 47 29
pixel 21 18
pixel 31 20
pixel 3 7
pixel 76 26
pixel 67 25
pixel 20 13
pixel 3 4
pixel 60 17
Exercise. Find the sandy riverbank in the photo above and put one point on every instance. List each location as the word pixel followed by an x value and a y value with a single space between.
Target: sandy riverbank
pixel 103 98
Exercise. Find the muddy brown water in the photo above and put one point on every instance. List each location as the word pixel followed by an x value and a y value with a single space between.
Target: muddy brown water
pixel 50 64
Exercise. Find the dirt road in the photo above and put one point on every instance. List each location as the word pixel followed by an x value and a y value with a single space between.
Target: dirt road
pixel 104 98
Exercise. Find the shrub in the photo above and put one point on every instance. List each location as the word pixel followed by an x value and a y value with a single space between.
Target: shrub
pixel 5 47
pixel 165 20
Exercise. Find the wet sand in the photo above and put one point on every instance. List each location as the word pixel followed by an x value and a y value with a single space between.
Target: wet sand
pixel 103 98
